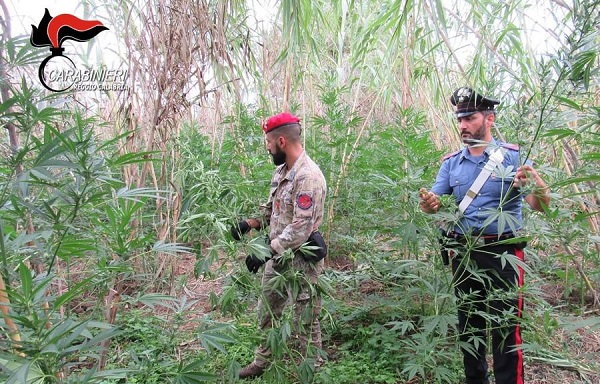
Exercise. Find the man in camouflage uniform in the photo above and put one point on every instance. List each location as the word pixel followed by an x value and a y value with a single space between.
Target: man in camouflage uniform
pixel 293 213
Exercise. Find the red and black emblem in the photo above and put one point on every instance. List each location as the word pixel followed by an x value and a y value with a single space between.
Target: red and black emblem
pixel 304 201
pixel 53 31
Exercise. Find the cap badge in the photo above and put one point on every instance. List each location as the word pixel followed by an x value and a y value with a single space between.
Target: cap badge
pixel 463 93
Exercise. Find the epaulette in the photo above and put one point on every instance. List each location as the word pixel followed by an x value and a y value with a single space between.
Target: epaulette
pixel 451 154
pixel 514 147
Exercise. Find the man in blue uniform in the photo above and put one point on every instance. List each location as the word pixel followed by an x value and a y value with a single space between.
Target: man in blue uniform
pixel 489 182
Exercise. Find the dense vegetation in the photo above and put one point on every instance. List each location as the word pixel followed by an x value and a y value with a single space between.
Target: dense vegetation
pixel 116 263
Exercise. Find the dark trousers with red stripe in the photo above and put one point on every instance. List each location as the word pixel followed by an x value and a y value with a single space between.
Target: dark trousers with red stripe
pixel 487 292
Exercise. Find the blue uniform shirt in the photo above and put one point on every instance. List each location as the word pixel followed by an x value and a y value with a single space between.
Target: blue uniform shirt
pixel 458 172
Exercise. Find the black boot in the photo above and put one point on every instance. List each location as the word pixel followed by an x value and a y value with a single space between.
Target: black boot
pixel 251 371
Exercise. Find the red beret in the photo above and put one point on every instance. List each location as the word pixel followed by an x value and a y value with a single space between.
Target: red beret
pixel 279 120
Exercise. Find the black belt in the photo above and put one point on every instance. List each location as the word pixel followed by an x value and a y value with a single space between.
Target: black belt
pixel 479 239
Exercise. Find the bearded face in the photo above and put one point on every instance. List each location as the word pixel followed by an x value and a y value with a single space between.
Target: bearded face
pixel 473 135
pixel 278 156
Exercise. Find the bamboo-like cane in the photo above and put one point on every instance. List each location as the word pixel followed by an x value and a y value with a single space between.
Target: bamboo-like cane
pixel 13 330
pixel 593 225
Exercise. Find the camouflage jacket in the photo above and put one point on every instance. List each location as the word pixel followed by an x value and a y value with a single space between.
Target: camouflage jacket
pixel 296 203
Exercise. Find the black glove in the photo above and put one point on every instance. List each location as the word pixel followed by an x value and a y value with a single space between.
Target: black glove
pixel 318 254
pixel 240 229
pixel 254 262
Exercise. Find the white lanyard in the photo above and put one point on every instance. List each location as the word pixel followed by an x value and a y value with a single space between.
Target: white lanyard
pixel 493 162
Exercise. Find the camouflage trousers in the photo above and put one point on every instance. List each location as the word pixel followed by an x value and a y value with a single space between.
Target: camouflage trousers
pixel 299 292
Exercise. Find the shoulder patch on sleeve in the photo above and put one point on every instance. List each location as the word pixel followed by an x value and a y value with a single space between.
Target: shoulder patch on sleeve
pixel 514 147
pixel 449 155
pixel 304 201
